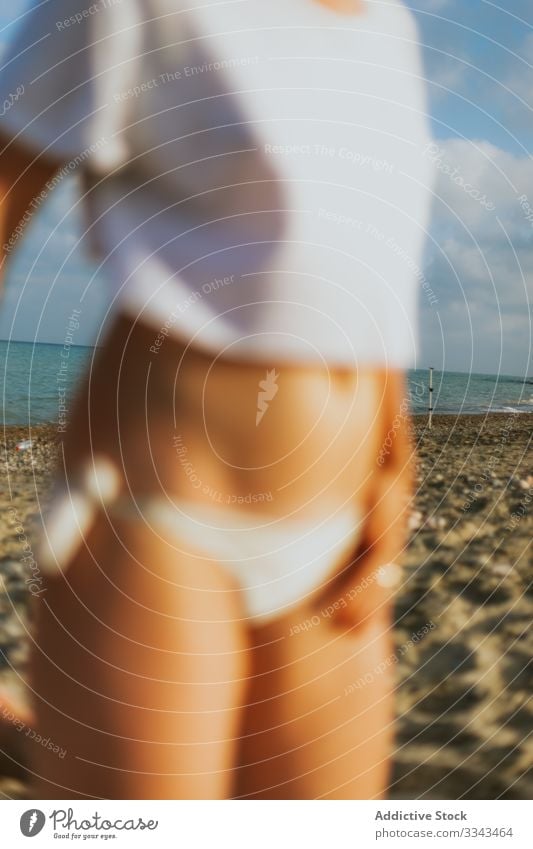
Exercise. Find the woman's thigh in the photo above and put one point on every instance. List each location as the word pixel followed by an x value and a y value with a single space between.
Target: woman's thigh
pixel 319 716
pixel 121 646
pixel 138 672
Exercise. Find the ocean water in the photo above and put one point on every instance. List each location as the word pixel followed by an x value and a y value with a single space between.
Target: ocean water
pixel 458 393
pixel 37 379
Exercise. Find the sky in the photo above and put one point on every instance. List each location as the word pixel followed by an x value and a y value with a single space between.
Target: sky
pixel 478 62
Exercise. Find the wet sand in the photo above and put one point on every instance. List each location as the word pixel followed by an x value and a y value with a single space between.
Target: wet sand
pixel 464 641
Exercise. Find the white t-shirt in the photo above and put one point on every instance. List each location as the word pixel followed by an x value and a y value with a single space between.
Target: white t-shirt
pixel 258 182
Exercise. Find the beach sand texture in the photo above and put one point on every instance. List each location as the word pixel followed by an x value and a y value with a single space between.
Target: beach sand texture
pixel 464 642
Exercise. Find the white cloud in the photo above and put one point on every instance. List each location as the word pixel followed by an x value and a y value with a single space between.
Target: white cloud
pixel 482 265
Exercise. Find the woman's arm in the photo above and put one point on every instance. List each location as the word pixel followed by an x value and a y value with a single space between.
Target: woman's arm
pixel 23 176
pixel 365 588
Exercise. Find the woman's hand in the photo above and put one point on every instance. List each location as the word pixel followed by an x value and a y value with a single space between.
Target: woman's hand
pixel 365 588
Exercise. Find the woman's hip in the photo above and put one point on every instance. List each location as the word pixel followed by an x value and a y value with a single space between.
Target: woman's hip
pixel 275 436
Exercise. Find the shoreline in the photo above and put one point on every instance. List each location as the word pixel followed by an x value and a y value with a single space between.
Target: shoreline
pixel 50 430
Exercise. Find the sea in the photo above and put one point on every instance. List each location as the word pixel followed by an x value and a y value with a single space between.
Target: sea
pixel 39 381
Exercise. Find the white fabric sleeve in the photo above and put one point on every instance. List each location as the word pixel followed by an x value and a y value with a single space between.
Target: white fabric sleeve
pixel 66 63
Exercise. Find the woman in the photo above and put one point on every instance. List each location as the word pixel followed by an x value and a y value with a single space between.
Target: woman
pixel 220 555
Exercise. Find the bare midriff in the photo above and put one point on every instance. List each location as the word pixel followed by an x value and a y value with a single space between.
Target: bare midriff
pixel 184 424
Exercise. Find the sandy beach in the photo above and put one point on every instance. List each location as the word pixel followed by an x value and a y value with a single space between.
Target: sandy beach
pixel 464 640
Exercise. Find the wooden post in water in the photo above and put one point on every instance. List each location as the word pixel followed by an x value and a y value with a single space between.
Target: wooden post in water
pixel 430 422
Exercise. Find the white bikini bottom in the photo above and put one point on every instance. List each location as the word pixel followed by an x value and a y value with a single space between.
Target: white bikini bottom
pixel 276 562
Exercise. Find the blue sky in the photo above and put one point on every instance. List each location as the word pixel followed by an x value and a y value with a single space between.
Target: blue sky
pixel 478 59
